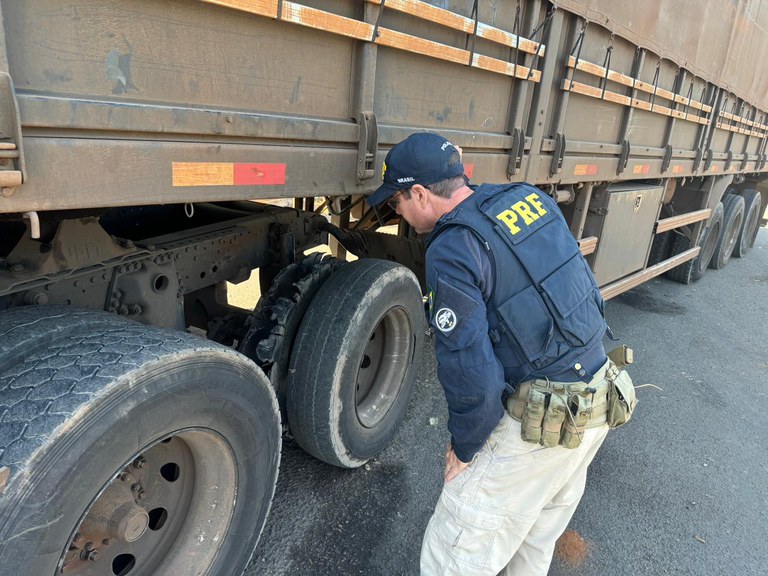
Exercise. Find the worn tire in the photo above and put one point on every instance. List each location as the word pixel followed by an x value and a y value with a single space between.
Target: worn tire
pixel 356 356
pixel 85 394
pixel 273 324
pixel 733 216
pixel 690 271
pixel 750 223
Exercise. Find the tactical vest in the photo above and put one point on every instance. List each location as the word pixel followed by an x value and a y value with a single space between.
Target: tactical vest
pixel 545 313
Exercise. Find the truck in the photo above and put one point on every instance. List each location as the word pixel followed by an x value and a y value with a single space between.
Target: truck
pixel 155 152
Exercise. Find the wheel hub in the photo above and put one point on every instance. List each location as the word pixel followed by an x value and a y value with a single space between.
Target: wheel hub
pixel 148 516
pixel 116 514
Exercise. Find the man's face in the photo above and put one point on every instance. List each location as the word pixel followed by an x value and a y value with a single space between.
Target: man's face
pixel 416 209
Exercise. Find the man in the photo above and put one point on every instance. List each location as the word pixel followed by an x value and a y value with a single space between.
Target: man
pixel 519 324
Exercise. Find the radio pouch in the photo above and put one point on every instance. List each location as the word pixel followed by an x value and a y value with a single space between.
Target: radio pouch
pixel 573 429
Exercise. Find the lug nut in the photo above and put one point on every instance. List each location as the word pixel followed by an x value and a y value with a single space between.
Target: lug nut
pixel 139 462
pixel 107 541
pixel 91 555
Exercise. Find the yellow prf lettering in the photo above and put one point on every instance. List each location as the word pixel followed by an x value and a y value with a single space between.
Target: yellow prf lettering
pixel 534 200
pixel 509 218
pixel 525 211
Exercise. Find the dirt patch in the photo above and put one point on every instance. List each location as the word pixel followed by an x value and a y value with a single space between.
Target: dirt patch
pixel 572 549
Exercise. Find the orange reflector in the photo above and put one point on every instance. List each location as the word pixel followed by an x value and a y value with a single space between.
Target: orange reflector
pixel 585 170
pixel 641 169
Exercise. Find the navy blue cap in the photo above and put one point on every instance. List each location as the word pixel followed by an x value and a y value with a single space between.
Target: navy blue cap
pixel 422 158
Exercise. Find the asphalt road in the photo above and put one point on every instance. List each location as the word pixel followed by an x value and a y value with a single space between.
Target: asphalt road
pixel 682 489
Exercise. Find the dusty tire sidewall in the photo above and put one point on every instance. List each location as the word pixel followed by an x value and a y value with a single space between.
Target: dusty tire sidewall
pixel 358 442
pixel 199 390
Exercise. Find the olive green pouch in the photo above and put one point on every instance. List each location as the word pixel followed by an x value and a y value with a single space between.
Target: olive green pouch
pixel 621 399
pixel 573 429
pixel 553 421
pixel 530 429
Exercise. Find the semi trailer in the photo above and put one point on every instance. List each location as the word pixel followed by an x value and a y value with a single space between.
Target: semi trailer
pixel 154 152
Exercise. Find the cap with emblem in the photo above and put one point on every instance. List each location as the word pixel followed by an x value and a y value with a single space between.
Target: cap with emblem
pixel 422 158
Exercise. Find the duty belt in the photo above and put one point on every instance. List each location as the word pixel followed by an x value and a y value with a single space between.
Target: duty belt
pixel 596 390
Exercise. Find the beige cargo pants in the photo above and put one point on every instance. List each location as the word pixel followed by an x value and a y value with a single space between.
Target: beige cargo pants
pixel 505 511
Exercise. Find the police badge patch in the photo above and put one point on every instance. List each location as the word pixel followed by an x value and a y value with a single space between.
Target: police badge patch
pixel 445 319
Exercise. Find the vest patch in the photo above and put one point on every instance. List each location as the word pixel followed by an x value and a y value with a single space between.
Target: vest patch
pixel 445 319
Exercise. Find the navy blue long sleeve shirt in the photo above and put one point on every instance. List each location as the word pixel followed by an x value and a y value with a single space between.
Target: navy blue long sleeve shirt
pixel 459 280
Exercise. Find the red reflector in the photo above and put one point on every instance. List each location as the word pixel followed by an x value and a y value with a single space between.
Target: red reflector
pixel 259 174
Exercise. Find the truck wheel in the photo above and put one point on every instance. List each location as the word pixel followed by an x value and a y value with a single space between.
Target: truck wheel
pixel 733 209
pixel 130 450
pixel 356 355
pixel 692 270
pixel 750 223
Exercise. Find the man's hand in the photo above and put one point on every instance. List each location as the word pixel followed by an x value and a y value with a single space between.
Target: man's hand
pixel 453 466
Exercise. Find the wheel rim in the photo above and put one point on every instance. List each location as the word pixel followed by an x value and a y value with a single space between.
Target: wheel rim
pixel 383 367
pixel 158 514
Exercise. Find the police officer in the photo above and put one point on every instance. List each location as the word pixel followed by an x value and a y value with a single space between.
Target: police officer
pixel 519 324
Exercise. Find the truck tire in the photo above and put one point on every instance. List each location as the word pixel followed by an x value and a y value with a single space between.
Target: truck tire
pixel 690 271
pixel 750 223
pixel 660 247
pixel 130 450
pixel 356 355
pixel 733 216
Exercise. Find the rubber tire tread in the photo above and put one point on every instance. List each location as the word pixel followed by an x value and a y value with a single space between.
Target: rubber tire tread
pixel 323 342
pixel 283 307
pixel 753 202
pixel 60 367
pixel 660 247
pixel 733 206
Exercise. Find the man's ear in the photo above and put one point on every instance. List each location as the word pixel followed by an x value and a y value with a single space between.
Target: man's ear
pixel 421 193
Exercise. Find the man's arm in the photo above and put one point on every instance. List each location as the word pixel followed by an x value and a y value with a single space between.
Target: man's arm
pixel 459 277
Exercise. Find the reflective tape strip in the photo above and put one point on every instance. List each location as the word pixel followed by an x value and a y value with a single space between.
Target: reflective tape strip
pixel 585 170
pixel 259 174
pixel 227 174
